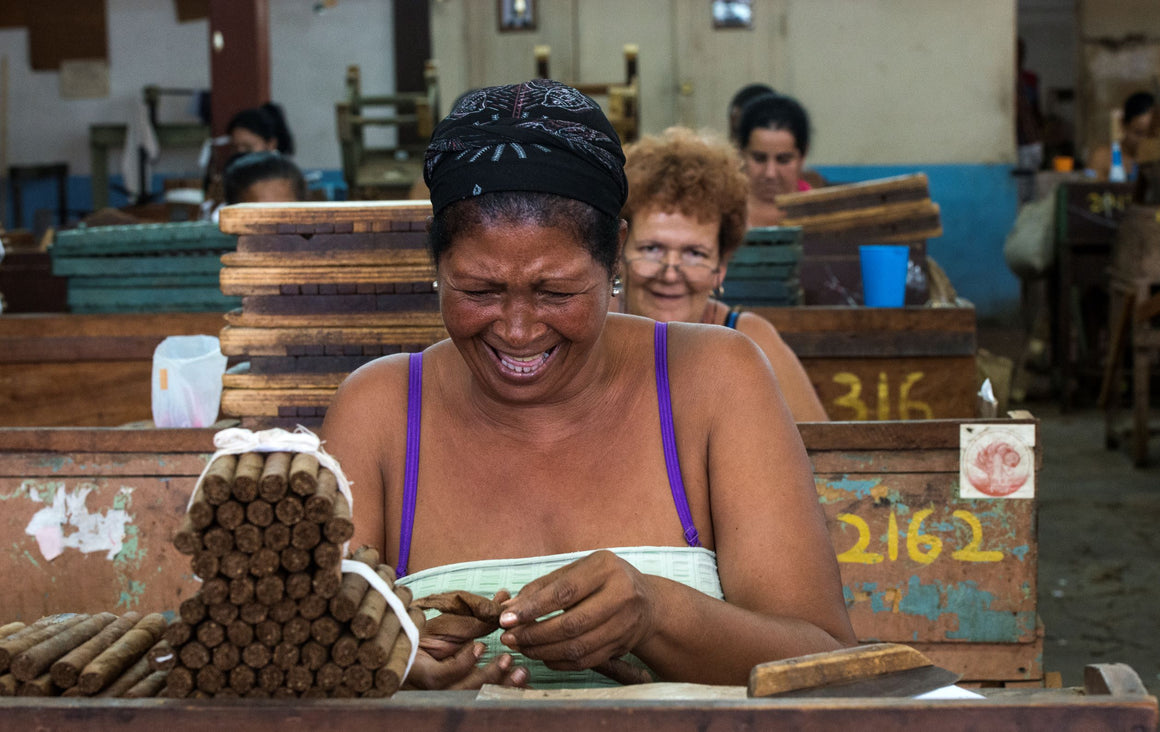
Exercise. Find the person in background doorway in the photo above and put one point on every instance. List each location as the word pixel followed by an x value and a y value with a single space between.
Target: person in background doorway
pixel 774 136
pixel 686 216
pixel 743 96
pixel 1136 124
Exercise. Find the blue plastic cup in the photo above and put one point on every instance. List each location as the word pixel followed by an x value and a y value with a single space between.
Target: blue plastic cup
pixel 884 274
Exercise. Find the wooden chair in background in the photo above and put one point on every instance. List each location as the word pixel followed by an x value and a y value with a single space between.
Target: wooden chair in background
pixel 385 172
pixel 623 105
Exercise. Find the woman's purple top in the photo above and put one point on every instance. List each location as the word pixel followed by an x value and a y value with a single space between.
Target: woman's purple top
pixel 668 440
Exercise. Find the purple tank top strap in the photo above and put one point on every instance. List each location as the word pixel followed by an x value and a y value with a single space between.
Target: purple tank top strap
pixel 411 466
pixel 668 434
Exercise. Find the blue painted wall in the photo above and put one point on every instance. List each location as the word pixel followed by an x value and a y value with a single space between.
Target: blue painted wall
pixel 977 204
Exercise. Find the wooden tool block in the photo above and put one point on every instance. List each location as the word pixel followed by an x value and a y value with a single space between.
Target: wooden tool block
pixel 879 669
pixel 351 217
pixel 868 194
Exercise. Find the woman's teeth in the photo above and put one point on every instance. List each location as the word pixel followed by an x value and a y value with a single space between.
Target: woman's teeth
pixel 524 365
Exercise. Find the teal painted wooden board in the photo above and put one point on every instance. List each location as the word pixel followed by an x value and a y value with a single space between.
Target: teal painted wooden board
pixel 191 264
pixel 761 272
pixel 149 299
pixel 141 238
pixel 145 281
pixel 749 291
pixel 767 254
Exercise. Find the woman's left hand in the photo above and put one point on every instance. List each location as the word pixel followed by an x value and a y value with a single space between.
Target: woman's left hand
pixel 607 606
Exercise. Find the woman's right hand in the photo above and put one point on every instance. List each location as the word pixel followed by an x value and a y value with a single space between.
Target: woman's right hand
pixel 459 670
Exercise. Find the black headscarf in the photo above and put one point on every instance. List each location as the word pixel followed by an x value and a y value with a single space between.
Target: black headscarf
pixel 539 135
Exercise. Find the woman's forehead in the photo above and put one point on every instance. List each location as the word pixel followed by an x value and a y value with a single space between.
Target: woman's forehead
pixel 511 244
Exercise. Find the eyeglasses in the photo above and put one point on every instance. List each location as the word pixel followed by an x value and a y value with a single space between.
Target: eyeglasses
pixel 651 263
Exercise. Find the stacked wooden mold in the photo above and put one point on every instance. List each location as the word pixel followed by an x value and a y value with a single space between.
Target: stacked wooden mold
pixel 765 271
pixel 72 654
pixel 325 288
pixel 143 267
pixel 835 220
pixel 275 616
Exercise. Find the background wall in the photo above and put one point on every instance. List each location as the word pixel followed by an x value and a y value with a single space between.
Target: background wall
pixel 892 85
pixel 309 54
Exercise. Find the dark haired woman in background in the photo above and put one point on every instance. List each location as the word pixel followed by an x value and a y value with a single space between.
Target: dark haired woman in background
pixel 261 128
pixel 774 137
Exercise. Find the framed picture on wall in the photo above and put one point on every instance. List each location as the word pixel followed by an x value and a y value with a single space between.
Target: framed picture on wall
pixel 516 15
pixel 732 13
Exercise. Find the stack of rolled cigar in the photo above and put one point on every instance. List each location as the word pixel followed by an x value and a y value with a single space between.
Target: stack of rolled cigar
pixel 275 616
pixel 84 655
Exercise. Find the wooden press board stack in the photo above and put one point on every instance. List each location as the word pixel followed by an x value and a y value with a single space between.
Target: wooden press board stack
pixel 835 220
pixel 170 267
pixel 325 288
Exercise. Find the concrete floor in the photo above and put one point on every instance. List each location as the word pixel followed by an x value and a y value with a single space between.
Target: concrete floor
pixel 1099 542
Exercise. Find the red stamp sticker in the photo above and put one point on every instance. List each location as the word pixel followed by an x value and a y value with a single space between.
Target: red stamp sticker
pixel 996 461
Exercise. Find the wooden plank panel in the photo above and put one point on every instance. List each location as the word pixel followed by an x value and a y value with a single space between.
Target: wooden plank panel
pixel 902 388
pixel 418 320
pixel 269 402
pixel 434 711
pixel 267 280
pixel 86 393
pixel 988 662
pixel 329 258
pixel 159 325
pixel 854 319
pixel 865 194
pixel 237 340
pixel 341 216
pixel 283 381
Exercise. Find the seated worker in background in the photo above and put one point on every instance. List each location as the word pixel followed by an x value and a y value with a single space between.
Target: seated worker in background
pixel 263 177
pixel 743 96
pixel 542 448
pixel 686 216
pixel 260 128
pixel 1136 124
pixel 774 137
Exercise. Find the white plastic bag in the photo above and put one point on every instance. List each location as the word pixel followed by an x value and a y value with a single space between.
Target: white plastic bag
pixel 1030 246
pixel 187 381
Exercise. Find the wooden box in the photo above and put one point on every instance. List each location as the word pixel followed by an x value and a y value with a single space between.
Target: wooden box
pixel 85 370
pixel 920 565
pixel 885 363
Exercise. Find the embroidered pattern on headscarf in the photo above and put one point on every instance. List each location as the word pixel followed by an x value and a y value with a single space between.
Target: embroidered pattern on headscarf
pixel 539 135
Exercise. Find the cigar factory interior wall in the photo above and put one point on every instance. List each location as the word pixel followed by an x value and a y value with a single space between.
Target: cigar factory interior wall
pixel 889 83
pixel 309 54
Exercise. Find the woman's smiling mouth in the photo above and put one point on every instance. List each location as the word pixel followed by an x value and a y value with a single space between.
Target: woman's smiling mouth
pixel 522 365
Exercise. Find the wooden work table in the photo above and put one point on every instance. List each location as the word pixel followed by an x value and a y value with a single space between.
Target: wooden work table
pixel 1112 699
pixel 922 564
pixel 85 370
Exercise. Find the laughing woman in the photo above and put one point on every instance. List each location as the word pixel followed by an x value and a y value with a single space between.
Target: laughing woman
pixel 686 213
pixel 594 465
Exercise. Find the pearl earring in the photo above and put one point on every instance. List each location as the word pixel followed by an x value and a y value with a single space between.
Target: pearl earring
pixel 616 286
pixel 435 285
